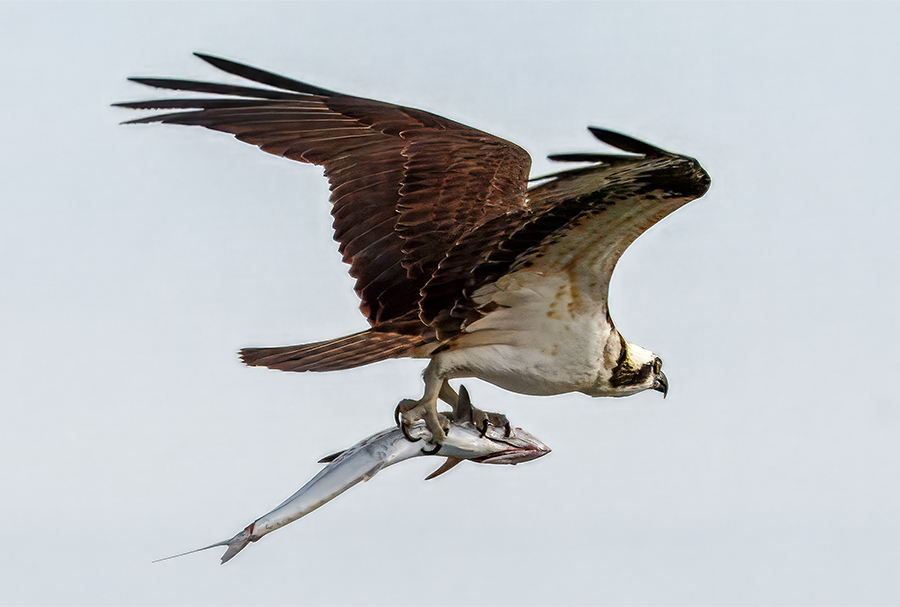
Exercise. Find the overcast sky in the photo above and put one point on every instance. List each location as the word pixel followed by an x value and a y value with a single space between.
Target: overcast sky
pixel 135 261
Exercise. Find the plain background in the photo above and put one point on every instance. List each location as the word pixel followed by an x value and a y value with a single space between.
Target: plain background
pixel 135 261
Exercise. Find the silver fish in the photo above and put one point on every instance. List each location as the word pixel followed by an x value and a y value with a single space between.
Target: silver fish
pixel 494 442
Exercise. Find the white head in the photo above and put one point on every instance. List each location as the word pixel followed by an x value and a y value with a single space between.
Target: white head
pixel 634 369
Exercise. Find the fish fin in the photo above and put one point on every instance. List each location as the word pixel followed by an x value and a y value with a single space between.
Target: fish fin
pixel 462 412
pixel 238 543
pixel 235 545
pixel 175 556
pixel 449 463
pixel 330 458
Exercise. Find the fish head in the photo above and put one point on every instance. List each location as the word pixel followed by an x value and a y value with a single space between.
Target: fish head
pixel 494 445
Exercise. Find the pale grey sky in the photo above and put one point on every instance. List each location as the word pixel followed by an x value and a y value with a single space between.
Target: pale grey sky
pixel 135 261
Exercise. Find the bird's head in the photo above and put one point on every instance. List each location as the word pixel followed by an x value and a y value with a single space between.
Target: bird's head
pixel 634 370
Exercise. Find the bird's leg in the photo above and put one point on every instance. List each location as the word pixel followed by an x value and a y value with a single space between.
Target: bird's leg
pixel 449 395
pixel 411 411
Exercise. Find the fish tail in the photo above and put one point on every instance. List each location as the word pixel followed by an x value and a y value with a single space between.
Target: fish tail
pixel 235 545
pixel 238 543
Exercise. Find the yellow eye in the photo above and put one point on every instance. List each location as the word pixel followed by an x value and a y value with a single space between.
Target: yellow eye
pixel 657 365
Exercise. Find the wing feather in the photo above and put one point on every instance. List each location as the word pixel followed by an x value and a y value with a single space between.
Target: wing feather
pixel 429 212
pixel 406 184
pixel 579 221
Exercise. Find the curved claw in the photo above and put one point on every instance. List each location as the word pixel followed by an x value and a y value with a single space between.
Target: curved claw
pixel 407 435
pixel 427 452
pixel 484 420
pixel 403 427
pixel 409 412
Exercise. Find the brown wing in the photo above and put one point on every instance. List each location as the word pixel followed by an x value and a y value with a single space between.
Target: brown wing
pixel 583 217
pixel 406 185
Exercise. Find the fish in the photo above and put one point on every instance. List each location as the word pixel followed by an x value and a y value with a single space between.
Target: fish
pixel 473 435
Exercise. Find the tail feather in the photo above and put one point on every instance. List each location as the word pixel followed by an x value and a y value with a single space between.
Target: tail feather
pixel 334 354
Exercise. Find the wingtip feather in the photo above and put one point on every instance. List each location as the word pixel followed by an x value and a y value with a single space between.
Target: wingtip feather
pixel 262 76
pixel 219 62
pixel 626 143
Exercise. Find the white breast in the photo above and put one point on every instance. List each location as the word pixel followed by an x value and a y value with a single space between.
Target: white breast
pixel 548 335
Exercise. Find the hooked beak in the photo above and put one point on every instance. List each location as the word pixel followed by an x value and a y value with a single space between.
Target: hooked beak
pixel 519 446
pixel 661 384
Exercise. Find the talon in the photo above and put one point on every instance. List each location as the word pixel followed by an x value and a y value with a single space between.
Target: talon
pixel 434 451
pixel 407 435
pixel 411 411
pixel 398 411
pixel 482 420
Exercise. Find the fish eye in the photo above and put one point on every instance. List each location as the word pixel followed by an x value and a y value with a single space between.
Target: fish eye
pixel 657 365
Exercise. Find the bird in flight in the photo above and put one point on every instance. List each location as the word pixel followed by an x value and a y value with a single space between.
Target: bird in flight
pixel 458 257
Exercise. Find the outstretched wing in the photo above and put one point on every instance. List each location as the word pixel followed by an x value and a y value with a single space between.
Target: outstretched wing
pixel 406 185
pixel 577 222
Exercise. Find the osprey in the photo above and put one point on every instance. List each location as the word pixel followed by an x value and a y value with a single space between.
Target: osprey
pixel 455 257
